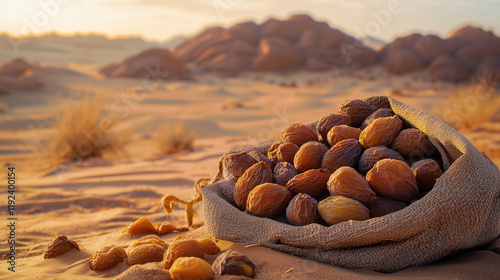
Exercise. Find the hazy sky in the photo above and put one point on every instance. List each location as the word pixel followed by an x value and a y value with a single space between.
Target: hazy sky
pixel 161 19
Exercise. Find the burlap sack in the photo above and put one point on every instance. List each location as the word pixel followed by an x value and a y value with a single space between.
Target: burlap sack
pixel 461 212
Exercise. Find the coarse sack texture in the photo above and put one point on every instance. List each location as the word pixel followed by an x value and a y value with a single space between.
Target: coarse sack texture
pixel 462 211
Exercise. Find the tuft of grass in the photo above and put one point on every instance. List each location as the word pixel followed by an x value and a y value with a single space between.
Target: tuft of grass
pixel 470 106
pixel 84 130
pixel 175 137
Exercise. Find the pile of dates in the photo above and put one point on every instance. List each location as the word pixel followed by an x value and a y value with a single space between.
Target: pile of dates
pixel 184 258
pixel 359 163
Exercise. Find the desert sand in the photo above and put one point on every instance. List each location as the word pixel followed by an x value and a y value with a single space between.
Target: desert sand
pixel 94 200
pixel 229 107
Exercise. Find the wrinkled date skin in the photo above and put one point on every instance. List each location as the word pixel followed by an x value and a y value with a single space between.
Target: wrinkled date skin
pixel 145 253
pixel 373 155
pixel 148 239
pixel 344 153
pixel 342 132
pixel 286 151
pixel 237 164
pixel 257 174
pixel 426 172
pixel 309 156
pixel 268 200
pixel 182 247
pixel 312 182
pixel 190 268
pixel 141 226
pixel 393 179
pixel 146 249
pixel 298 134
pixel 412 143
pixel 272 153
pixel 383 206
pixel 357 110
pixel 233 263
pixel 380 113
pixel 209 246
pixel 381 132
pixel 59 246
pixel 260 157
pixel 107 257
pixel 336 209
pixel 330 121
pixel 346 181
pixel 284 172
pixel 302 210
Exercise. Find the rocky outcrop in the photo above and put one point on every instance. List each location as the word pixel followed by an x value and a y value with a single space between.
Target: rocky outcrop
pixel 237 47
pixel 299 42
pixel 489 70
pixel 246 31
pixel 277 54
pixel 314 64
pixel 17 74
pixel 449 69
pixel 197 44
pixel 468 50
pixel 16 67
pixel 290 29
pixel 157 63
pixel 402 62
pixel 429 47
pixel 226 63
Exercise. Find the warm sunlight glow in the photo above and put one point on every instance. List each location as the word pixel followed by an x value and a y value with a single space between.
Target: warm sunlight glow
pixel 156 19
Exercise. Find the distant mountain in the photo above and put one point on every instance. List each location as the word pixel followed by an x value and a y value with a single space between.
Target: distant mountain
pixel 79 49
pixel 91 41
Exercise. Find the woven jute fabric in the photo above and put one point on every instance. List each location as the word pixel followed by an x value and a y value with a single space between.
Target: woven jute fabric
pixel 461 212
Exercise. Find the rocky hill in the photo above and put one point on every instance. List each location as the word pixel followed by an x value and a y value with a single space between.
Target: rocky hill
pixel 301 43
pixel 157 63
pixel 466 52
pixel 17 74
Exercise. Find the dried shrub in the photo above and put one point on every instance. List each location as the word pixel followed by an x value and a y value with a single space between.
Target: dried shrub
pixel 175 137
pixel 470 106
pixel 84 129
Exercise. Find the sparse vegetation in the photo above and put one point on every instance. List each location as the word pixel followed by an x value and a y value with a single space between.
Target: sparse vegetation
pixel 84 130
pixel 175 137
pixel 470 106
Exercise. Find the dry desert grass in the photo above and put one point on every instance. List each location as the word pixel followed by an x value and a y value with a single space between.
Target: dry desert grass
pixel 471 106
pixel 84 130
pixel 175 137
